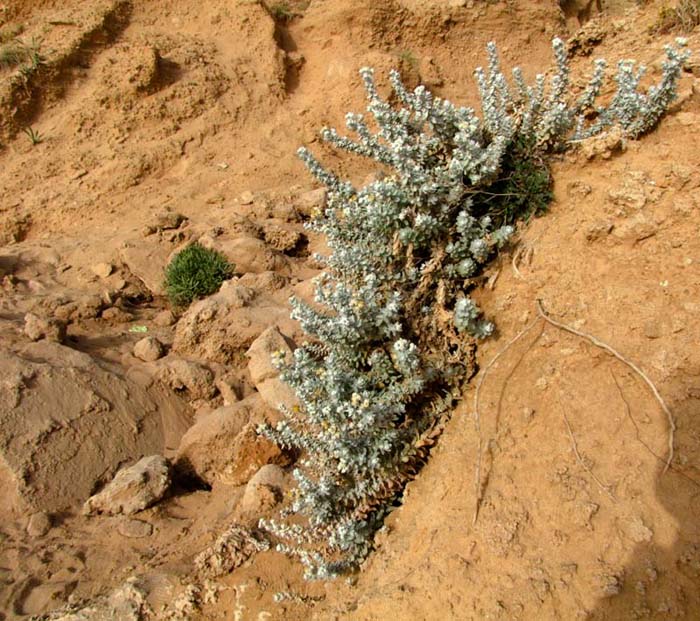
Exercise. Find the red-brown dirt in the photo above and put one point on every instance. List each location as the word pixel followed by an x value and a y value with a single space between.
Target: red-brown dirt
pixel 151 108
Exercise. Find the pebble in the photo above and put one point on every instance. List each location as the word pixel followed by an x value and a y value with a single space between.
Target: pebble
pixel 39 524
pixel 149 349
pixel 652 330
pixel 37 328
pixel 164 319
pixel 102 270
pixel 135 529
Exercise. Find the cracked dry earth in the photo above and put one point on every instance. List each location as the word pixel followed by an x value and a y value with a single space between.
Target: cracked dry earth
pixel 168 121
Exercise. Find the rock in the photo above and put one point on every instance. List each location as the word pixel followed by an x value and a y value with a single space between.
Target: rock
pixel 88 307
pixel 270 475
pixel 240 225
pixel 249 254
pixel 147 261
pixel 135 529
pixel 578 189
pixel 247 198
pixel 312 202
pixel 37 328
pixel 222 327
pixel 39 524
pixel 133 489
pixel 637 531
pixel 181 374
pixel 168 220
pixel 635 192
pixel 688 119
pixel 285 212
pixel 114 314
pixel 295 60
pixel 233 548
pixel 164 319
pixel 126 603
pixel 603 145
pixel 267 282
pixel 102 270
pixel 636 228
pixel 223 446
pixel 148 349
pixel 258 499
pixel 598 230
pixel 282 238
pixel 430 72
pixel 652 330
pixel 262 371
pixel 142 72
pixel 227 390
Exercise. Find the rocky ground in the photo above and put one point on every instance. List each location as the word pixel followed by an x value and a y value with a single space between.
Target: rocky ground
pixel 153 123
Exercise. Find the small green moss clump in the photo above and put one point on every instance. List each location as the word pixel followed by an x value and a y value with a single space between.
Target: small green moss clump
pixel 195 272
pixel 523 188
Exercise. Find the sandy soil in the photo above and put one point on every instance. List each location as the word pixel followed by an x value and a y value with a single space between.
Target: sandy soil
pixel 157 107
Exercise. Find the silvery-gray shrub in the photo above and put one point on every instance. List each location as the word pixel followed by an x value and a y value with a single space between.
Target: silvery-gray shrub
pixel 380 369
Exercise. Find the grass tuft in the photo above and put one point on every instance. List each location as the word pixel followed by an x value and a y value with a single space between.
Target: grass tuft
pixel 683 17
pixel 195 272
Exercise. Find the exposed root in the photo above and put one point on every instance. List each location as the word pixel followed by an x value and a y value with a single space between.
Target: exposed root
pixel 574 445
pixel 477 417
pixel 628 412
pixel 604 346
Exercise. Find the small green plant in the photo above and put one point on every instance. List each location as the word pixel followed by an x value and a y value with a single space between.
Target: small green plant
pixel 408 58
pixel 281 12
pixel 11 55
pixel 34 136
pixel 17 52
pixel 10 32
pixel 522 190
pixel 681 18
pixel 195 272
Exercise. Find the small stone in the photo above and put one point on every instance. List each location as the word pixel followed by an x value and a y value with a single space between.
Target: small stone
pixel 164 319
pixel 224 446
pixel 149 349
pixel 281 238
pixel 270 475
pixel 528 414
pixel 652 330
pixel 638 532
pixel 313 202
pixel 39 524
pixel 598 230
pixel 169 220
pixel 247 198
pixel 295 59
pixel 636 228
pixel 608 585
pixel 116 315
pixel 181 374
pixel 135 529
pixel 263 372
pixel 102 270
pixel 688 119
pixel 37 328
pixel 258 499
pixel 133 489
pixel 227 390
